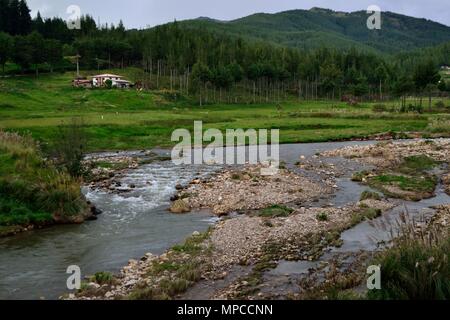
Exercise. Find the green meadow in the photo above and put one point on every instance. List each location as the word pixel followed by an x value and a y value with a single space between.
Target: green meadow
pixel 132 119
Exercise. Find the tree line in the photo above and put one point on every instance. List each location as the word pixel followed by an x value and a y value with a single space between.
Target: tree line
pixel 217 67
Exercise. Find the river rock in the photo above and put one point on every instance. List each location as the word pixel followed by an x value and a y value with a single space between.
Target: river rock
pixel 180 206
pixel 94 210
pixel 446 182
pixel 94 285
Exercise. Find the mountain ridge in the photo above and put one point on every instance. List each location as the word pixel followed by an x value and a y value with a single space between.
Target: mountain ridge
pixel 318 27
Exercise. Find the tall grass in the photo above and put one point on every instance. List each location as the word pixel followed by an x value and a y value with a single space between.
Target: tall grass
pixel 416 267
pixel 70 145
pixel 32 190
pixel 439 126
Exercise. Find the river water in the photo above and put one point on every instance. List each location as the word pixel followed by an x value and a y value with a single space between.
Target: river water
pixel 33 265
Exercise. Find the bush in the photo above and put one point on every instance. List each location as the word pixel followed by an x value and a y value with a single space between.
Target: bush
pixel 31 189
pixel 108 84
pixel 323 216
pixel 416 267
pixel 370 195
pixel 365 214
pixel 275 211
pixel 359 176
pixel 102 278
pixel 70 146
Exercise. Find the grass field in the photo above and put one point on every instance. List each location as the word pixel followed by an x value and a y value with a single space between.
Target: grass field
pixel 130 119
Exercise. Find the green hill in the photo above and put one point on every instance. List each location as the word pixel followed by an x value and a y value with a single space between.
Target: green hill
pixel 308 29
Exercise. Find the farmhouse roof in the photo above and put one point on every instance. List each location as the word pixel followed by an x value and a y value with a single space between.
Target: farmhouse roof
pixel 107 76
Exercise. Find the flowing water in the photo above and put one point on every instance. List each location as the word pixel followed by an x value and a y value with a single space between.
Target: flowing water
pixel 367 236
pixel 33 265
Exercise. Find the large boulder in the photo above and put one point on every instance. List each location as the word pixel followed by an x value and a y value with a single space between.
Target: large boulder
pixel 180 206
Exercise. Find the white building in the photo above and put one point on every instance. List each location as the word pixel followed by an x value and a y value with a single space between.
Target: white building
pixel 116 81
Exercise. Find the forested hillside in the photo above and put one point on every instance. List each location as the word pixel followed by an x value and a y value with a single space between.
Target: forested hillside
pixel 315 28
pixel 172 56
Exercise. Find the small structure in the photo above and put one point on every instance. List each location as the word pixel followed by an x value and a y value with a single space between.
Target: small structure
pixel 116 81
pixel 121 84
pixel 82 82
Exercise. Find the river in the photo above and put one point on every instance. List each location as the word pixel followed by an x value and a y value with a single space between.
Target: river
pixel 33 265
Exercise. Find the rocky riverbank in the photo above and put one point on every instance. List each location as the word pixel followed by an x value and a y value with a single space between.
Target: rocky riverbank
pixel 270 219
pixel 238 190
pixel 246 241
pixel 272 224
pixel 446 182
pixel 442 218
pixel 405 170
pixel 104 171
pixel 388 154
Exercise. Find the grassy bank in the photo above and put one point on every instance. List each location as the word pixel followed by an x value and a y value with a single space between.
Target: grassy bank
pixel 416 267
pixel 408 180
pixel 32 192
pixel 131 119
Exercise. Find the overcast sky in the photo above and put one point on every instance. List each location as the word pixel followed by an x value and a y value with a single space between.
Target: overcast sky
pixel 143 13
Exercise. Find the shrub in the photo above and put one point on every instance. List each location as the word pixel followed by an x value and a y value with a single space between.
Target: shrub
pixel 359 176
pixel 31 189
pixel 108 84
pixel 323 216
pixel 370 195
pixel 70 146
pixel 416 267
pixel 275 211
pixel 365 214
pixel 102 278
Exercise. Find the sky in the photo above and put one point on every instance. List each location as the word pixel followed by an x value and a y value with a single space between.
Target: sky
pixel 145 13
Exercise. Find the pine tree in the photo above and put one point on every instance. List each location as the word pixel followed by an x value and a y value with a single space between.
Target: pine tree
pixel 6 47
pixel 13 18
pixel 4 15
pixel 39 24
pixel 25 22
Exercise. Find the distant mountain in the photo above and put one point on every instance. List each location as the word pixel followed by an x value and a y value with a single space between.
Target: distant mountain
pixel 308 29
